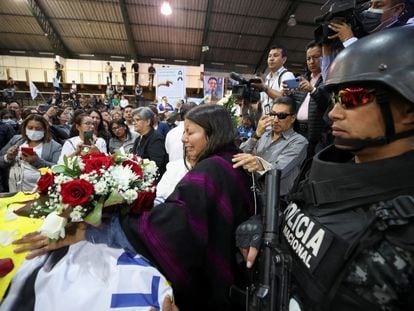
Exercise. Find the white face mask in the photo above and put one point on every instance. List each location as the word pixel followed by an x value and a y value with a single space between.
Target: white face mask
pixel 35 135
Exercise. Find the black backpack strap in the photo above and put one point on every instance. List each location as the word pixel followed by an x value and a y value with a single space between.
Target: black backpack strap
pixel 281 75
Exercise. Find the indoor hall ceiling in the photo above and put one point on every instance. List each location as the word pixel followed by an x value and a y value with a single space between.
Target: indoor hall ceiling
pixel 234 34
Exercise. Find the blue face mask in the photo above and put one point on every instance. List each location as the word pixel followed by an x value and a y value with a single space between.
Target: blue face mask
pixel 35 135
pixel 9 121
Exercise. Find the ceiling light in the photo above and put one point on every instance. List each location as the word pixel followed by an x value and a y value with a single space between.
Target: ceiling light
pixel 118 57
pixel 166 8
pixel 46 53
pixel 87 55
pixel 158 59
pixel 241 65
pixel 180 61
pixel 291 21
pixel 17 52
pixel 205 48
pixel 217 64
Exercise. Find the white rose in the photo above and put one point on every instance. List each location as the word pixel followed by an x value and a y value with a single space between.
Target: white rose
pixel 53 226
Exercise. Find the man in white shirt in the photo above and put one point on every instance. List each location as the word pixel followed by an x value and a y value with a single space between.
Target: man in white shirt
pixel 272 87
pixel 173 143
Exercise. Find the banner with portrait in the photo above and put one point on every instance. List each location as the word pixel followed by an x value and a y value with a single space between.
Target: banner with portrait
pixel 213 88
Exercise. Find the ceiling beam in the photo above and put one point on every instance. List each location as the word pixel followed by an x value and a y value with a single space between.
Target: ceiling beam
pixel 49 31
pixel 204 41
pixel 261 65
pixel 127 25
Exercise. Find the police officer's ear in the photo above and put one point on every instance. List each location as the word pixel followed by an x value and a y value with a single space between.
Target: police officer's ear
pixel 404 111
pixel 408 115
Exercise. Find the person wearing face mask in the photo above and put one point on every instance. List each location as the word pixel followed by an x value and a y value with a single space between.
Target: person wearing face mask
pixel 190 236
pixel 381 14
pixel 24 154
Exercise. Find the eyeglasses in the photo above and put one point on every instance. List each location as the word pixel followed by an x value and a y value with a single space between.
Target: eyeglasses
pixel 280 115
pixel 353 97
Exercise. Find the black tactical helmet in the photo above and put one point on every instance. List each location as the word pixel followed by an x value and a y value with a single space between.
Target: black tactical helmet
pixel 385 57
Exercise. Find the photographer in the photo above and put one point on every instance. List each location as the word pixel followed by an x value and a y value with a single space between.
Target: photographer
pixel 271 88
pixel 349 227
pixel 381 14
pixel 312 102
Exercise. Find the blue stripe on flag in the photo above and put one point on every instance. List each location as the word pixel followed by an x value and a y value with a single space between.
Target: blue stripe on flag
pixel 127 259
pixel 138 300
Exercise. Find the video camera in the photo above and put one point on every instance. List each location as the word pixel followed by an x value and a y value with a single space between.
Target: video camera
pixel 347 11
pixel 244 89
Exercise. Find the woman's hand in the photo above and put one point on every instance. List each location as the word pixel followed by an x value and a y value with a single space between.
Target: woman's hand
pixel 38 244
pixel 30 158
pixel 93 148
pixel 12 153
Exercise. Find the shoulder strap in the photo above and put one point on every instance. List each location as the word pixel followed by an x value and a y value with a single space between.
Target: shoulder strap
pixel 281 75
pixel 395 212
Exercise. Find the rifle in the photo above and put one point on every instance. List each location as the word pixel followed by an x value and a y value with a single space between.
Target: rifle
pixel 270 288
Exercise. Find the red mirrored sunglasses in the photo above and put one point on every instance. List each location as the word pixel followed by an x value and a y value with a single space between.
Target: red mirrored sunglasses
pixel 353 97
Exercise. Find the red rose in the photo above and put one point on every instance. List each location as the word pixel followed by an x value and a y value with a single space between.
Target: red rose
pixel 144 202
pixel 134 167
pixel 44 182
pixel 95 164
pixel 76 192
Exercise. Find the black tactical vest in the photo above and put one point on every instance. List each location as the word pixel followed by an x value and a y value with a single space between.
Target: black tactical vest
pixel 340 210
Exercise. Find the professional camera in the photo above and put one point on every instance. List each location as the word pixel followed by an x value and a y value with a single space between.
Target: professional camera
pixel 347 11
pixel 244 89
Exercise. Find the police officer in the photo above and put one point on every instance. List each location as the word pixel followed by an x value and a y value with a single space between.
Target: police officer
pixel 350 227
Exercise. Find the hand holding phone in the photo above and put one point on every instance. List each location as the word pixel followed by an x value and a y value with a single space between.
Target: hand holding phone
pixel 28 151
pixel 292 83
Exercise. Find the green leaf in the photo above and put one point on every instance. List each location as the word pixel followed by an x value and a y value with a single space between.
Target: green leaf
pixel 114 199
pixel 95 216
pixel 65 160
pixel 59 169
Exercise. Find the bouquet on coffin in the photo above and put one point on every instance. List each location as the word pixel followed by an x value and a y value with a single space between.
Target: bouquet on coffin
pixel 84 186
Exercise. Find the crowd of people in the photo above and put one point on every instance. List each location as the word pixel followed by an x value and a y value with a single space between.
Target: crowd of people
pixel 338 140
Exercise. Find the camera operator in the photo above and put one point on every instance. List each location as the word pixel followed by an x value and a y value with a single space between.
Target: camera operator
pixel 381 14
pixel 350 226
pixel 271 88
